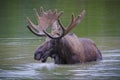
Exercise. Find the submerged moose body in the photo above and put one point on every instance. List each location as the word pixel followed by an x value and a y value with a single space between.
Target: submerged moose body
pixel 62 46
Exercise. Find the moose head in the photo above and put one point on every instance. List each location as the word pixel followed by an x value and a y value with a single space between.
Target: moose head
pixel 62 46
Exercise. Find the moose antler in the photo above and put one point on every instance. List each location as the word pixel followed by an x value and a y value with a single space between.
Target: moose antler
pixel 44 21
pixel 74 22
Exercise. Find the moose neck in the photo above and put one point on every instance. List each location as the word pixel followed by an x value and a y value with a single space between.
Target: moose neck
pixel 64 50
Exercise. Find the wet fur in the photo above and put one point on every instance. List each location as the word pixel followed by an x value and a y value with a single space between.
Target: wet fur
pixel 72 49
pixel 68 50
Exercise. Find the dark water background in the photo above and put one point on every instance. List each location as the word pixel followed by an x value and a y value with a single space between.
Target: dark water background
pixel 17 43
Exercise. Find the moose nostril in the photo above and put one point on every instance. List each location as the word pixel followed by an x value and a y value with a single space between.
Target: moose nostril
pixel 37 56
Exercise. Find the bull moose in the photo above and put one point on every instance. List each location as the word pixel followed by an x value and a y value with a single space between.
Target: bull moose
pixel 62 46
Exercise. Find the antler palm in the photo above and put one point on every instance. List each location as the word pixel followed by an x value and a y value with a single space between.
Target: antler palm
pixel 44 21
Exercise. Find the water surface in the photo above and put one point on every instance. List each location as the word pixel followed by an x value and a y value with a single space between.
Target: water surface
pixel 16 62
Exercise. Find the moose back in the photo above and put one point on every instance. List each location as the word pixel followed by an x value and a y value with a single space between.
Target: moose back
pixel 62 46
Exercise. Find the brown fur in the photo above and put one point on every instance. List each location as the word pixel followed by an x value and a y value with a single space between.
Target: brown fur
pixel 78 50
pixel 68 50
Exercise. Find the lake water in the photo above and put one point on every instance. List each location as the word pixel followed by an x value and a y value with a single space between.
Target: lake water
pixel 16 62
pixel 17 44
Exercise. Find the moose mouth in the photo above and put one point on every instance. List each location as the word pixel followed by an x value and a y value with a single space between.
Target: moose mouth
pixel 41 57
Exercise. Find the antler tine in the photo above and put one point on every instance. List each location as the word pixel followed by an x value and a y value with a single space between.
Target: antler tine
pixel 32 27
pixel 36 14
pixel 42 11
pixel 34 32
pixel 60 13
pixel 55 11
pixel 74 22
pixel 31 24
pixel 70 25
pixel 61 25
pixel 80 17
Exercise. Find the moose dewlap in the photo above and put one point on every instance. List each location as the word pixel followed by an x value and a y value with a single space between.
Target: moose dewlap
pixel 62 46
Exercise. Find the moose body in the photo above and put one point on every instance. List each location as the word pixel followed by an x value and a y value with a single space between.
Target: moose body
pixel 69 50
pixel 63 47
